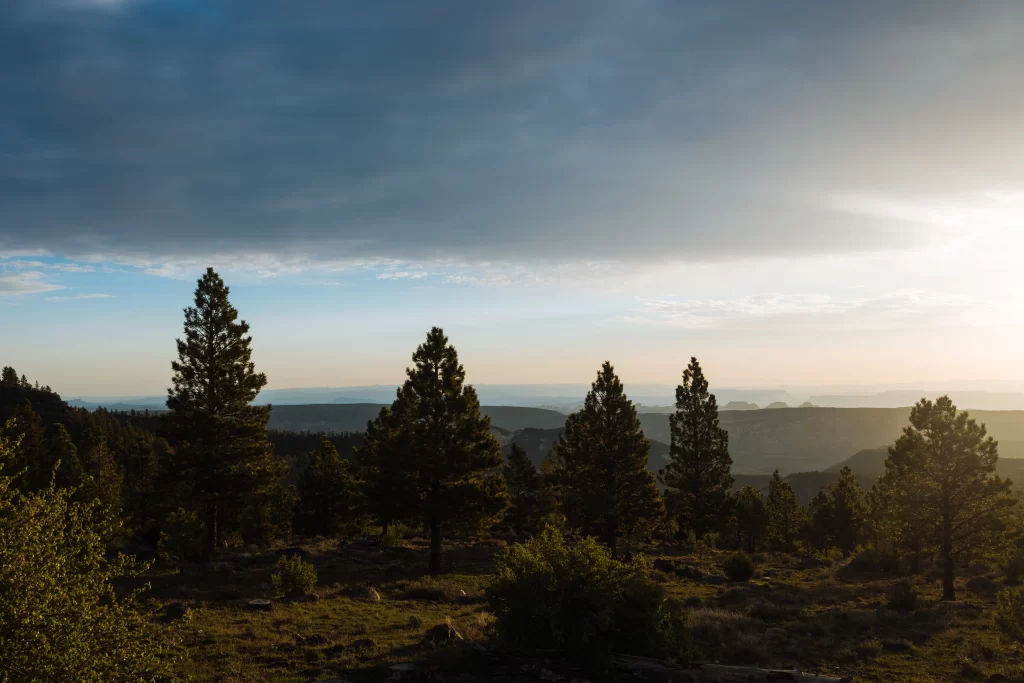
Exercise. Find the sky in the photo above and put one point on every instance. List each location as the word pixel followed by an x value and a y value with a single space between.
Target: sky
pixel 798 193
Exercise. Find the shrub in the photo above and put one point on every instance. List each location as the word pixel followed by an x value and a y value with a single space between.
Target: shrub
pixel 60 617
pixel 1010 613
pixel 293 573
pixel 1014 567
pixel 739 567
pixel 393 537
pixel 902 597
pixel 184 537
pixel 580 601
pixel 872 559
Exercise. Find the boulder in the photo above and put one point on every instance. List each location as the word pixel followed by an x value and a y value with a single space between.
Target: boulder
pixel 442 634
pixel 299 595
pixel 175 610
pixel 261 604
pixel 982 585
pixel 294 552
pixel 663 565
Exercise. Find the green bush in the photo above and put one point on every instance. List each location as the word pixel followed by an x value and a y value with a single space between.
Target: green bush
pixel 1010 613
pixel 293 573
pixel 902 597
pixel 871 559
pixel 579 600
pixel 60 619
pixel 184 537
pixel 739 567
pixel 393 537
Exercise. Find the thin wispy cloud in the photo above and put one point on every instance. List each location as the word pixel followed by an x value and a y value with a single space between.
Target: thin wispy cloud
pixel 25 283
pixel 79 297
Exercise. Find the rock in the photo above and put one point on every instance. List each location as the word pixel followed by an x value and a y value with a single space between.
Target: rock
pixel 361 644
pixel 294 552
pixel 551 676
pixel 442 634
pixel 666 566
pixel 688 572
pixel 813 563
pixel 299 595
pixel 980 584
pixel 897 645
pixel 175 611
pixel 372 595
pixel 261 604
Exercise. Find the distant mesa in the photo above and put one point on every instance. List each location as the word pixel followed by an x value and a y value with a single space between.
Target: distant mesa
pixel 807 404
pixel 774 406
pixel 740 405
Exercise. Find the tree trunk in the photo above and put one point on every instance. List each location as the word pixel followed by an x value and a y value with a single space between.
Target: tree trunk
pixel 948 591
pixel 915 562
pixel 384 526
pixel 435 545
pixel 215 532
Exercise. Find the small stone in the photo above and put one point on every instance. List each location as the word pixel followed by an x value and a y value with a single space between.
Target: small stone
pixel 372 595
pixel 261 604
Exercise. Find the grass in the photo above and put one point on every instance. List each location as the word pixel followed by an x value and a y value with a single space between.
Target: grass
pixel 830 620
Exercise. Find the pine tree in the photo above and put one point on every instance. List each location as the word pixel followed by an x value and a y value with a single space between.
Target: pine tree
pixel 329 494
pixel 103 477
pixel 601 470
pixel 846 512
pixel 750 517
pixel 818 530
pixel 386 471
pixel 62 460
pixel 697 477
pixel 785 516
pixel 449 452
pixel 222 455
pixel 9 377
pixel 941 474
pixel 524 486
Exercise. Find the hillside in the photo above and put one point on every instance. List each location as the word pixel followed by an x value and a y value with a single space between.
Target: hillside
pixel 538 443
pixel 806 439
pixel 352 417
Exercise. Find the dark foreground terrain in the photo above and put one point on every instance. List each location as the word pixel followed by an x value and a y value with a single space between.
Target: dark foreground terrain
pixel 817 614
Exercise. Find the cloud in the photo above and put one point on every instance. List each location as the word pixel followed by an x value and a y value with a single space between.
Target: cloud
pixel 78 297
pixel 59 267
pixel 319 135
pixel 882 310
pixel 403 275
pixel 23 283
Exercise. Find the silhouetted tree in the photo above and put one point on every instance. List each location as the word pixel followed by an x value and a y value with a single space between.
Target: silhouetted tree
pixel 941 474
pixel 329 494
pixel 450 453
pixel 9 377
pixel 601 466
pixel 818 527
pixel 785 516
pixel 222 455
pixel 386 470
pixel 524 485
pixel 751 519
pixel 103 477
pixel 697 478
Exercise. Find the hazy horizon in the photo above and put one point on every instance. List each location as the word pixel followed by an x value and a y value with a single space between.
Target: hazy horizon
pixel 805 194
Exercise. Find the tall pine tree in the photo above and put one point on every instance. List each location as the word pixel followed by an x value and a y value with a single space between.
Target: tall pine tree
pixel 449 452
pixel 601 466
pixel 785 516
pixel 385 469
pixel 941 474
pixel 222 455
pixel 697 478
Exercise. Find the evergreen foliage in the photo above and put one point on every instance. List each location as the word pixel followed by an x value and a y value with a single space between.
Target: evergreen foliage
pixel 524 488
pixel 697 478
pixel 837 519
pixel 751 518
pixel 60 618
pixel 940 477
pixel 785 516
pixel 435 442
pixel 329 495
pixel 601 466
pixel 293 573
pixel 222 455
pixel 388 478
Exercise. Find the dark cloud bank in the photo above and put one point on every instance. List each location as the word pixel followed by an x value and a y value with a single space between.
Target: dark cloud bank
pixel 162 129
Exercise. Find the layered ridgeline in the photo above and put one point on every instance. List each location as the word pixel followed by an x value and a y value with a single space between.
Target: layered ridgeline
pixel 760 441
